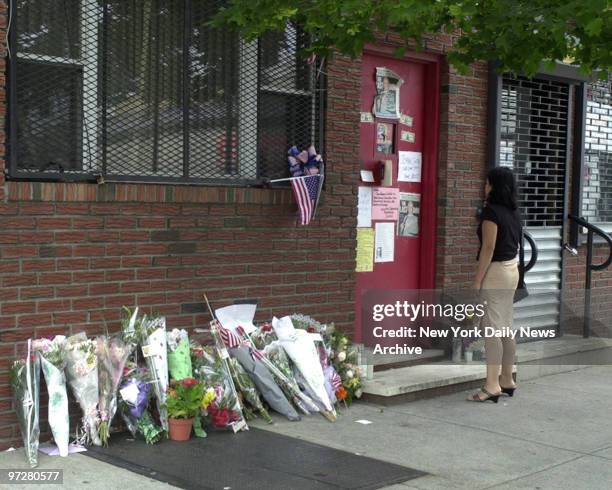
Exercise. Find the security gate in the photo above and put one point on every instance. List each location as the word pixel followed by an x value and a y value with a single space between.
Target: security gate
pixel 534 144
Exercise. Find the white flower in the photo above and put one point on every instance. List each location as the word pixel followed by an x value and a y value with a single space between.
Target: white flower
pixel 341 356
pixel 349 373
pixel 358 393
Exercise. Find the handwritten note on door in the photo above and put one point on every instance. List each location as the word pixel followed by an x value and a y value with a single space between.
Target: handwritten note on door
pixel 409 166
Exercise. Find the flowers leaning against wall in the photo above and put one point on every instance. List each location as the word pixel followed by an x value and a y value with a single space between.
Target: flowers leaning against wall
pixel 344 358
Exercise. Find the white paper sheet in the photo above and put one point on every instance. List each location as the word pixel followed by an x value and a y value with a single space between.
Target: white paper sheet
pixel 367 176
pixel 409 166
pixel 234 316
pixel 384 242
pixel 364 207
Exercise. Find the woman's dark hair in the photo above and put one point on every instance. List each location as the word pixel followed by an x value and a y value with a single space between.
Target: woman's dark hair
pixel 503 188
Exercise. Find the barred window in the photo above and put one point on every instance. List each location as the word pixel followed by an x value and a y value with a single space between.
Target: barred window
pixel 148 90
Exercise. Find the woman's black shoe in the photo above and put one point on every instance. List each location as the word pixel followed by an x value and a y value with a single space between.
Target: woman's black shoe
pixel 490 396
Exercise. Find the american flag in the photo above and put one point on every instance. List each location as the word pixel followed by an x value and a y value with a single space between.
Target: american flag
pixel 306 191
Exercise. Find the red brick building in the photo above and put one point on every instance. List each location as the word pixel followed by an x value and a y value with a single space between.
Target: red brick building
pixel 111 192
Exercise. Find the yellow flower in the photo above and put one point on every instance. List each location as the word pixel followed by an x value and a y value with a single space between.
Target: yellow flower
pixel 209 397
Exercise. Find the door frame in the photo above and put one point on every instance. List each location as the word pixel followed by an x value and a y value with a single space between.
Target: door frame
pixel 431 137
pixel 429 175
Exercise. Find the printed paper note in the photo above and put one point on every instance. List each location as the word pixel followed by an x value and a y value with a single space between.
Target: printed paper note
pixel 365 250
pixel 385 203
pixel 384 242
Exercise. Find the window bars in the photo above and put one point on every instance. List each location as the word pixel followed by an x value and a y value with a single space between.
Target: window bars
pixel 147 90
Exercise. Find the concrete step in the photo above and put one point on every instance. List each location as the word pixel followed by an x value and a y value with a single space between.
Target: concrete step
pixel 383 362
pixel 534 359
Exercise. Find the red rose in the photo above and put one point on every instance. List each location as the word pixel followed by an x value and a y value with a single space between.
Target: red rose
pixel 220 418
pixel 188 382
pixel 311 329
pixel 266 327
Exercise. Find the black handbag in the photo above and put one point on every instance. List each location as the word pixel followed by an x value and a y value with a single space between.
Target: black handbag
pixel 521 289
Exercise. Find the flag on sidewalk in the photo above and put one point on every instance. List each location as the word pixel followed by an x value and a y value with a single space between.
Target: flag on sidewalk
pixel 306 191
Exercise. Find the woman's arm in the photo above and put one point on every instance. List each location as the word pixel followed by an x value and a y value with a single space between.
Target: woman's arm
pixel 489 237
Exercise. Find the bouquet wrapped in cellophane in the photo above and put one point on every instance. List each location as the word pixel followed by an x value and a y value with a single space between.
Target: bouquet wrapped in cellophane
pixel 135 392
pixel 25 384
pixel 220 401
pixel 82 376
pixel 154 349
pixel 53 361
pixel 113 354
pixel 299 346
pixel 247 389
pixel 179 358
pixel 320 334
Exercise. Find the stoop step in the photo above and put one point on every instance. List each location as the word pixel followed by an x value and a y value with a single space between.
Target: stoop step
pixel 534 360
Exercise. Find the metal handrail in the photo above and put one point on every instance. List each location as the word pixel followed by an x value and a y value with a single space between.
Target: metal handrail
pixel 534 251
pixel 597 230
pixel 590 267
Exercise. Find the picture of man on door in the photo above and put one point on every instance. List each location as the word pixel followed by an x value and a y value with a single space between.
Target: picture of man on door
pixel 408 223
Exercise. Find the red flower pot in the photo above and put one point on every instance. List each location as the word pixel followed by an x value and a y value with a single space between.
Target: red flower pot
pixel 180 429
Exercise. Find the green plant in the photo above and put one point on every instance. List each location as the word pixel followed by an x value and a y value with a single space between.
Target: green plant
pixel 517 34
pixel 184 399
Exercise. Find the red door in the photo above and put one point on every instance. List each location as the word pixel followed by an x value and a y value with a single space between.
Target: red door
pixel 382 138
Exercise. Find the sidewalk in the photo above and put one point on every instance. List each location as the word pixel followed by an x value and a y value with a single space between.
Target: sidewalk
pixel 556 433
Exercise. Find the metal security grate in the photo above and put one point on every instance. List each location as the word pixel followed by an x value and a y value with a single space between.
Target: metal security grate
pixel 534 145
pixel 148 90
pixel 597 189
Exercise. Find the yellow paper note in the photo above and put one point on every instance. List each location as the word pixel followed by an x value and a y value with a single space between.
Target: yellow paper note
pixel 365 250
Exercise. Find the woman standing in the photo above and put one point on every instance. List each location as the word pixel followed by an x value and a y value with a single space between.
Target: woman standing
pixel 497 275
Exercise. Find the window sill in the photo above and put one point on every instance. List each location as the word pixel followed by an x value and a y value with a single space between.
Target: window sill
pixel 145 192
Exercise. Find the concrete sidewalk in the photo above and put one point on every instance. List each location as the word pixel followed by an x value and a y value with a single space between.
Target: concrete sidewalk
pixel 556 433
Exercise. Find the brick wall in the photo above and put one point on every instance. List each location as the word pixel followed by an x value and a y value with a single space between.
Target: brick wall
pixel 72 254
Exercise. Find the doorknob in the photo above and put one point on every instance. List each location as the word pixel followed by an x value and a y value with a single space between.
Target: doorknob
pixel 570 249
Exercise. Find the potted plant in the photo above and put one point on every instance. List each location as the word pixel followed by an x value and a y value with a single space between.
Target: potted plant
pixel 183 404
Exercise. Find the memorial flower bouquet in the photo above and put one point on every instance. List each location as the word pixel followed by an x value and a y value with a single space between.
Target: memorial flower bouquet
pixel 247 389
pixel 320 334
pixel 135 392
pixel 152 333
pixel 344 357
pixel 113 354
pixel 179 360
pixel 25 384
pixel 300 347
pixel 53 361
pixel 220 396
pixel 82 376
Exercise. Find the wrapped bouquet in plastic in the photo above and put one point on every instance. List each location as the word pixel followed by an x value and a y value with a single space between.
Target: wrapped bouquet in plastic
pixel 135 392
pixel 82 376
pixel 179 359
pixel 113 354
pixel 154 350
pixel 53 361
pixel 220 402
pixel 301 349
pixel 25 384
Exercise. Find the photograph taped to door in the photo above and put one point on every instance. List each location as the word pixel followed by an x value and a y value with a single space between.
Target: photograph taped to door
pixel 385 133
pixel 409 211
pixel 387 98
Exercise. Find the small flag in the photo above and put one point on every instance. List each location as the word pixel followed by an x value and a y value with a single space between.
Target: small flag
pixel 306 191
pixel 230 339
pixel 336 380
